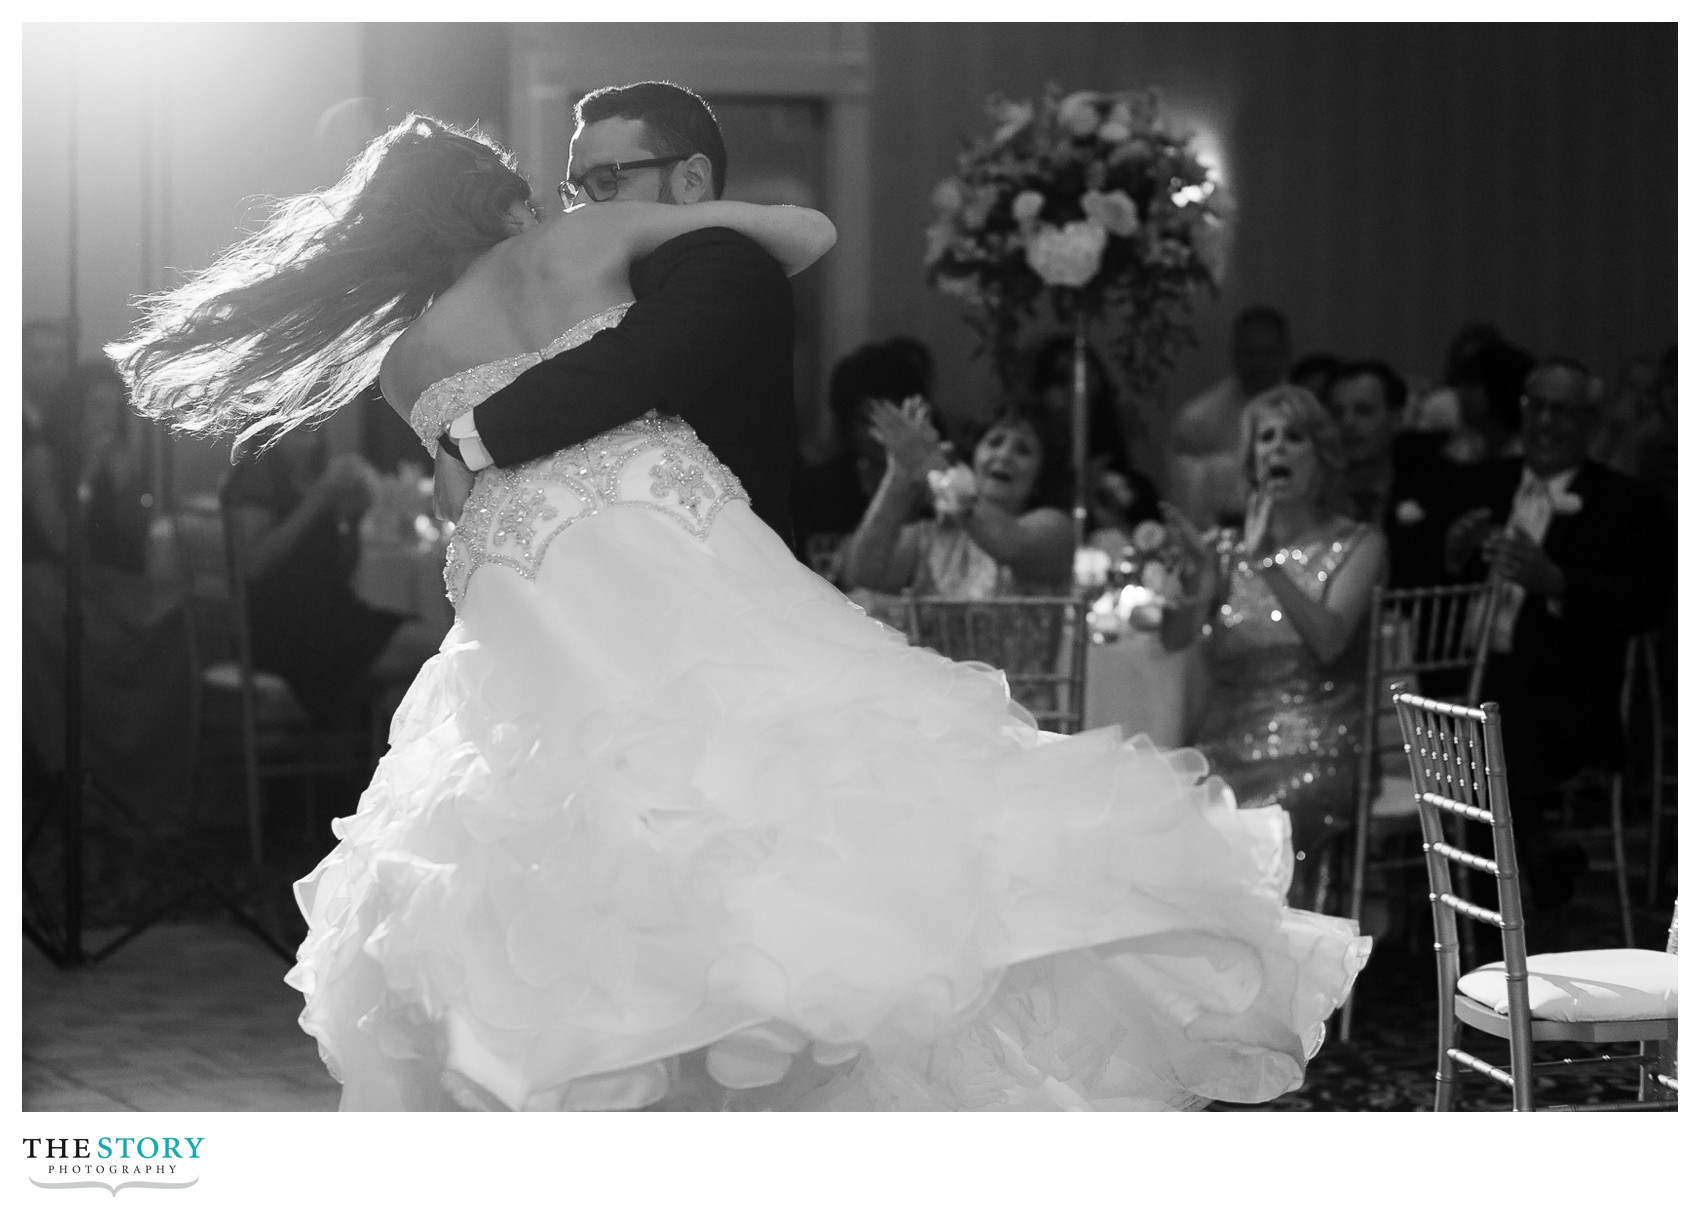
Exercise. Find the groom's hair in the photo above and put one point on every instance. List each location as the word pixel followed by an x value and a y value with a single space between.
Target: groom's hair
pixel 678 122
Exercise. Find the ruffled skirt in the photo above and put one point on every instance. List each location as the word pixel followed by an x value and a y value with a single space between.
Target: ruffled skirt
pixel 674 825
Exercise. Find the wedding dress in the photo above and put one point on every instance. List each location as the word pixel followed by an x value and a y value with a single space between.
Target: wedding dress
pixel 669 823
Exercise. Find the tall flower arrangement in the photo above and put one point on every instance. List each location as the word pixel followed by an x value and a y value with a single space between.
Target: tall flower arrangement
pixel 1090 201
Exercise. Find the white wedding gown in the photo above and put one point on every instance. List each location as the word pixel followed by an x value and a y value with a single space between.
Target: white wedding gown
pixel 668 822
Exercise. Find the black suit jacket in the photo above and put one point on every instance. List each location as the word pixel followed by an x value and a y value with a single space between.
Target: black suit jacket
pixel 709 340
pixel 1618 555
pixel 1419 505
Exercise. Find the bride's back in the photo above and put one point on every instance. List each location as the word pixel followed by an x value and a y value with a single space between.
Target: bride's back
pixel 514 299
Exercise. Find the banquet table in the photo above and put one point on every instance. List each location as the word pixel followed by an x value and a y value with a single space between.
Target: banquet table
pixel 1134 682
pixel 405 575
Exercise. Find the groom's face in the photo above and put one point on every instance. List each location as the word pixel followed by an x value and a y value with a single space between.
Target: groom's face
pixel 620 141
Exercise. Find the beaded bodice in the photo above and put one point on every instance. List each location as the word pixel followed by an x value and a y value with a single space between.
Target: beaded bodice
pixel 515 513
pixel 1251 642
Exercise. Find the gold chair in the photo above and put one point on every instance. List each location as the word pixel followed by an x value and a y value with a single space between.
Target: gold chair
pixel 1639 662
pixel 1604 997
pixel 1415 632
pixel 1661 782
pixel 1039 643
pixel 239 712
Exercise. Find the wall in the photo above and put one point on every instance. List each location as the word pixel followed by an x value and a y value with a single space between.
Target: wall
pixel 179 129
pixel 1394 181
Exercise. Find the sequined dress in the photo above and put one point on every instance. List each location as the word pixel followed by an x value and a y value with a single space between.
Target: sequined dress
pixel 669 823
pixel 1280 725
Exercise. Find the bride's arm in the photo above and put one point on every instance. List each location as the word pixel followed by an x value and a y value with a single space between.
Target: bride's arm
pixel 796 236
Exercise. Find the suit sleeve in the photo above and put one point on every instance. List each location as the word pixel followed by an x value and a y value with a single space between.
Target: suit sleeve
pixel 1622 586
pixel 709 296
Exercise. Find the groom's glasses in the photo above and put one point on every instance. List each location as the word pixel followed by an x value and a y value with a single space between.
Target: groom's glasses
pixel 603 181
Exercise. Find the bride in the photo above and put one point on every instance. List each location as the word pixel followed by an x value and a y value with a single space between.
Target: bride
pixel 669 823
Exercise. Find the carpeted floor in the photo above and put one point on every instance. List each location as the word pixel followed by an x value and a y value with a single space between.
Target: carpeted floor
pixel 232 986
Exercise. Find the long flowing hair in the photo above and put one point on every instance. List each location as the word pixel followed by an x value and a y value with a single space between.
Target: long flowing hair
pixel 292 321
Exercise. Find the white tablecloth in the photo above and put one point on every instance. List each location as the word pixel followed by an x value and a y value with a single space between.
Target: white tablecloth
pixel 1135 683
pixel 405 577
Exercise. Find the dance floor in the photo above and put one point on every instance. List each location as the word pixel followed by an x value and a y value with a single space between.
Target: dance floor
pixel 193 1015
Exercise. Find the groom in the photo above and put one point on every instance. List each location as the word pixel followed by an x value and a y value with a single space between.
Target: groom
pixel 708 339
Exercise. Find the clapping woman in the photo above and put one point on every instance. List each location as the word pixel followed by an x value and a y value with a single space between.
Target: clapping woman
pixel 1281 611
pixel 999 531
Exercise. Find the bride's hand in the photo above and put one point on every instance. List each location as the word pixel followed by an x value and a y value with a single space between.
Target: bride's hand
pixel 451 485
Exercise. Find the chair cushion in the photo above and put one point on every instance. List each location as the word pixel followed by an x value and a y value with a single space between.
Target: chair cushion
pixel 1396 801
pixel 1582 987
pixel 227 676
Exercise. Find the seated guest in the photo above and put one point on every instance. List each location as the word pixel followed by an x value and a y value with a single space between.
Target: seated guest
pixel 1050 382
pixel 1314 372
pixel 1647 452
pixel 1489 383
pixel 1203 466
pixel 1397 479
pixel 297 511
pixel 1006 533
pixel 830 494
pixel 1439 409
pixel 1286 609
pixel 1120 501
pixel 1589 559
pixel 116 477
pixel 1630 403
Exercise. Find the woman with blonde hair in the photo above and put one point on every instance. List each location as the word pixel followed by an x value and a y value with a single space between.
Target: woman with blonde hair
pixel 1282 611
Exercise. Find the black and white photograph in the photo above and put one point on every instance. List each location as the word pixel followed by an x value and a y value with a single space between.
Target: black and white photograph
pixel 948 565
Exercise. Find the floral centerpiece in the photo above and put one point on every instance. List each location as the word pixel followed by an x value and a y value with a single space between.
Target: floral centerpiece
pixel 1130 589
pixel 1088 200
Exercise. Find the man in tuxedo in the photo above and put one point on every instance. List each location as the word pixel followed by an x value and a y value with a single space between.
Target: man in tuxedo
pixel 1588 557
pixel 708 338
pixel 1398 479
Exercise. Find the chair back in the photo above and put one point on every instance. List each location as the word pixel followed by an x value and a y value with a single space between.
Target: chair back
pixel 1038 642
pixel 196 540
pixel 1416 632
pixel 1457 760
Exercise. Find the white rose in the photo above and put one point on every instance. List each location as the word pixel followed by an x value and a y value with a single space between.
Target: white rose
pixel 953 490
pixel 1013 118
pixel 1027 205
pixel 1067 256
pixel 1091 566
pixel 959 288
pixel 1115 132
pixel 939 236
pixel 1149 535
pixel 1114 212
pixel 1078 114
pixel 947 197
pixel 976 208
pixel 1121 114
